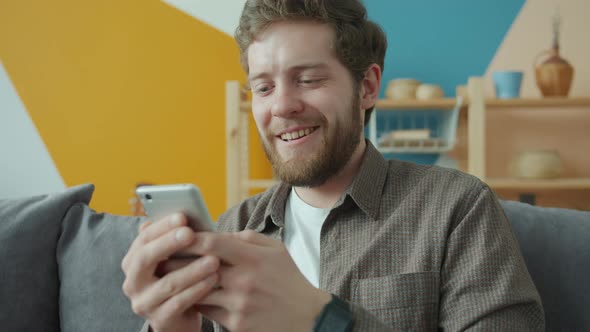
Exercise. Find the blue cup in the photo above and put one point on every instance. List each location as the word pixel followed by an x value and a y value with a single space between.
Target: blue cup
pixel 507 83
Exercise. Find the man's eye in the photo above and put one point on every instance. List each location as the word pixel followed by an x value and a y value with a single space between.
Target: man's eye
pixel 311 81
pixel 263 88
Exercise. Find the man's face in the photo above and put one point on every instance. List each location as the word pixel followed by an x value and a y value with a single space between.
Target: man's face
pixel 305 103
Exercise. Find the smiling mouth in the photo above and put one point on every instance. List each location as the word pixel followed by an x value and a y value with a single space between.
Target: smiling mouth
pixel 295 135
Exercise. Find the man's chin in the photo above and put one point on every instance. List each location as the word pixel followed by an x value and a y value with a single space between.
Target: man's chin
pixel 294 160
pixel 301 176
pixel 305 182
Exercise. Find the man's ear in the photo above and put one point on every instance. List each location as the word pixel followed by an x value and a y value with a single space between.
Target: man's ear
pixel 370 86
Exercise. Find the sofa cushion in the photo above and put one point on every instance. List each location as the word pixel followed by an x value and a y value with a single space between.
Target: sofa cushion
pixel 61 265
pixel 555 244
pixel 89 255
pixel 29 285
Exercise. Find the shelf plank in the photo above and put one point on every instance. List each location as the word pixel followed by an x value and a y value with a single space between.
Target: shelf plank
pixel 541 184
pixel 449 103
pixel 538 102
pixel 429 145
pixel 415 104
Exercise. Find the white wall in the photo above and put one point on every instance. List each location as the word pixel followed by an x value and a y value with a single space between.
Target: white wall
pixel 26 168
pixel 221 14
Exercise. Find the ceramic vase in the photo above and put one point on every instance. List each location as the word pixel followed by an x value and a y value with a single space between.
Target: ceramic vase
pixel 554 75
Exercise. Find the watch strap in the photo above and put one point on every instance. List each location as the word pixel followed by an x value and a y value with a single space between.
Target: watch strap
pixel 336 316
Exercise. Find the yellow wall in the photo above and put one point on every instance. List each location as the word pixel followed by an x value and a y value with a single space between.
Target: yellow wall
pixel 122 92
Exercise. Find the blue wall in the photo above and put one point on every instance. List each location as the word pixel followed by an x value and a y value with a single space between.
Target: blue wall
pixel 440 42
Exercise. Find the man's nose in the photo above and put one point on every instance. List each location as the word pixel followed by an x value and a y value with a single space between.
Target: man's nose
pixel 287 102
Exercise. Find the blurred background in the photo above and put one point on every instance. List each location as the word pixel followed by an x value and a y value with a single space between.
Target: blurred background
pixel 118 93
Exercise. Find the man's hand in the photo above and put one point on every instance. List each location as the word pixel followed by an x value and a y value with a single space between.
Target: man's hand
pixel 261 288
pixel 167 302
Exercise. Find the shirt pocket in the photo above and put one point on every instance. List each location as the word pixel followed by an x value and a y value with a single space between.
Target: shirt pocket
pixel 407 301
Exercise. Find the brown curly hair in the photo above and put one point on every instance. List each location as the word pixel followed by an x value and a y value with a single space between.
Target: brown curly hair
pixel 359 42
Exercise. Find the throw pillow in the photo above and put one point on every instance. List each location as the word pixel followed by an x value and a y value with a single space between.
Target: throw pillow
pixel 89 254
pixel 29 285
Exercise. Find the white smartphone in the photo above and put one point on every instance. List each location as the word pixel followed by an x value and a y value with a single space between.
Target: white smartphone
pixel 163 200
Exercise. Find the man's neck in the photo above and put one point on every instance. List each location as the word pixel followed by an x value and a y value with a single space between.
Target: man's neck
pixel 326 195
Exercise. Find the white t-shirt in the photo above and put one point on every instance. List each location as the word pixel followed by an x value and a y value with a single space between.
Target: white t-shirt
pixel 303 225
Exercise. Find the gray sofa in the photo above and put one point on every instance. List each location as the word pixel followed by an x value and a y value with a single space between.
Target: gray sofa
pixel 61 263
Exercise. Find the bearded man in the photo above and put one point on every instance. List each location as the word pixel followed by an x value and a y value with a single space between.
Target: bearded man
pixel 347 241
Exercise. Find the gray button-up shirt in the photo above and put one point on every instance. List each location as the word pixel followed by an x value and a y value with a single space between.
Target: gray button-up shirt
pixel 412 247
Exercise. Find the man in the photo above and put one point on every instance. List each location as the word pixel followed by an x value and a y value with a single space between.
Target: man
pixel 347 241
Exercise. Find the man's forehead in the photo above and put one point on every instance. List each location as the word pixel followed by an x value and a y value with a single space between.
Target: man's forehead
pixel 291 45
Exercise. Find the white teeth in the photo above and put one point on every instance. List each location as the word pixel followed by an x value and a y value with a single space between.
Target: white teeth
pixel 296 134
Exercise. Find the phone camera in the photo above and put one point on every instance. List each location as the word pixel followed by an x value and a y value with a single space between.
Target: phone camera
pixel 148 197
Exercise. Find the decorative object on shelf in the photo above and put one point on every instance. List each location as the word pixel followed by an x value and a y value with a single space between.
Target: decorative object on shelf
pixel 507 83
pixel 537 164
pixel 554 75
pixel 402 88
pixel 402 137
pixel 429 91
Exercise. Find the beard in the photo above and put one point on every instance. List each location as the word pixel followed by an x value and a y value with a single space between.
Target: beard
pixel 335 150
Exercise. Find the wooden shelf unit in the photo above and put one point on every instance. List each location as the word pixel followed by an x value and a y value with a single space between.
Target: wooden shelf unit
pixel 237 137
pixel 449 103
pixel 538 102
pixel 476 133
pixel 414 104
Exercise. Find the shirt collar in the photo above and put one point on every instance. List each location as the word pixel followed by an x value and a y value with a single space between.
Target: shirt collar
pixel 365 190
pixel 367 187
pixel 275 209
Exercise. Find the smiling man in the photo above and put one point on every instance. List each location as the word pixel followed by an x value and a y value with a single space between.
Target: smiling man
pixel 347 241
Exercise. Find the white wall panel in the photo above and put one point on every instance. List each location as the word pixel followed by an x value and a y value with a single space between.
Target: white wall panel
pixel 221 14
pixel 26 168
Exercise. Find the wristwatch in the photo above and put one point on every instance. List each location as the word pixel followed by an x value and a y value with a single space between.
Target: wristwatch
pixel 336 316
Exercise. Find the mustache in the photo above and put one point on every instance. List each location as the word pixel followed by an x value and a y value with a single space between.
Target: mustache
pixel 279 129
pixel 282 125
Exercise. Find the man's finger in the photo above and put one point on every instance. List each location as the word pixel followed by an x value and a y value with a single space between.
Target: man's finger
pixel 153 230
pixel 134 245
pixel 142 266
pixel 200 272
pixel 144 225
pixel 253 237
pixel 172 264
pixel 218 298
pixel 157 228
pixel 227 247
pixel 185 299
